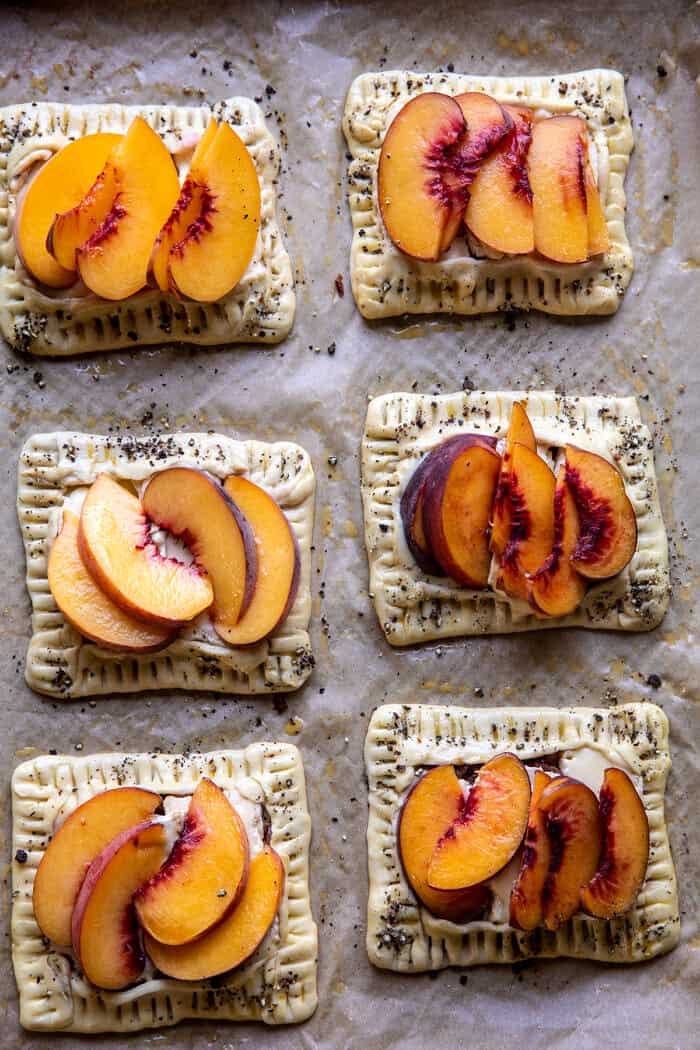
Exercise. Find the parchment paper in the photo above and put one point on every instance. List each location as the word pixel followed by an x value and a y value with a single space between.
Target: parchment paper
pixel 300 59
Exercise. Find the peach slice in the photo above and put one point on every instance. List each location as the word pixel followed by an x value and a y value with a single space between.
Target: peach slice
pixel 113 261
pixel 499 211
pixel 413 198
pixel 186 210
pixel 219 243
pixel 431 807
pixel 519 432
pixel 488 831
pixel 556 169
pixel 623 863
pixel 487 123
pixel 457 498
pixel 116 547
pixel 70 229
pixel 574 828
pixel 598 237
pixel 88 608
pixel 237 936
pixel 106 937
pixel 411 510
pixel 531 497
pixel 278 565
pixel 556 588
pixel 193 506
pixel 526 895
pixel 57 186
pixel 78 841
pixel 608 525
pixel 203 877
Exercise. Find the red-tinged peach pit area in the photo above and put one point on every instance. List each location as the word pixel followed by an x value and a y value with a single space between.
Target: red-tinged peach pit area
pixel 516 181
pixel 122 882
pixel 491 514
pixel 524 844
pixel 107 215
pixel 225 551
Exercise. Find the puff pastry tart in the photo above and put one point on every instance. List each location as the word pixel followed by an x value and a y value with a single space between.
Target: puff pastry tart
pixel 168 561
pixel 152 888
pixel 475 194
pixel 487 513
pixel 498 835
pixel 129 225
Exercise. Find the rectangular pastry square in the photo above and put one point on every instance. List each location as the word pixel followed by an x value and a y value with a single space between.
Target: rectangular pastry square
pixel 260 309
pixel 62 663
pixel 403 740
pixel 388 283
pixel 413 607
pixel 277 985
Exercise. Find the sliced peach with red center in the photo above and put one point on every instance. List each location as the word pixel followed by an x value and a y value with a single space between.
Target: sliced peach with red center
pixel 519 432
pixel 106 936
pixel 75 845
pixel 457 499
pixel 72 228
pixel 598 236
pixel 142 187
pixel 57 186
pixel 608 525
pixel 411 510
pixel 431 807
pixel 556 170
pixel 87 608
pixel 489 829
pixel 193 506
pixel 205 874
pixel 623 862
pixel 413 199
pixel 237 936
pixel 531 497
pixel 278 565
pixel 570 810
pixel 487 123
pixel 556 589
pixel 499 211
pixel 186 210
pixel 526 895
pixel 218 245
pixel 116 546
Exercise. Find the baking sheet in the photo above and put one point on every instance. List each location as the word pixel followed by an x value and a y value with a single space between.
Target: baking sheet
pixel 300 61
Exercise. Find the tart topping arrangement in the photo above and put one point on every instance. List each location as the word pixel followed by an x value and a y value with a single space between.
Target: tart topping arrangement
pixel 513 179
pixel 113 886
pixel 109 210
pixel 569 850
pixel 505 520
pixel 120 589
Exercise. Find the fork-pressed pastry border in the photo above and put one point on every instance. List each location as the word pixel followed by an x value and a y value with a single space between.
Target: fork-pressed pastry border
pixel 413 607
pixel 63 664
pixel 277 985
pixel 388 283
pixel 260 309
pixel 404 739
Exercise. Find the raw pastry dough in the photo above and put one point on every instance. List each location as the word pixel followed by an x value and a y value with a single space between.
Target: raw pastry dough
pixel 260 309
pixel 403 739
pixel 277 985
pixel 63 664
pixel 387 283
pixel 413 607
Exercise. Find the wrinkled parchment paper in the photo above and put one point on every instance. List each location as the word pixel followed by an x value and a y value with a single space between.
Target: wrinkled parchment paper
pixel 300 59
